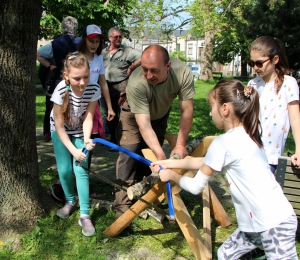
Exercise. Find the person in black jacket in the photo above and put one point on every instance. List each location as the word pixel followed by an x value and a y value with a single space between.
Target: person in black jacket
pixel 51 57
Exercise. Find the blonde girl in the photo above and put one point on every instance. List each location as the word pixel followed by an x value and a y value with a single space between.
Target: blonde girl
pixel 71 127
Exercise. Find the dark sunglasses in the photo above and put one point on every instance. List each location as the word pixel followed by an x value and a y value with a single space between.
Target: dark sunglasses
pixel 117 37
pixel 258 64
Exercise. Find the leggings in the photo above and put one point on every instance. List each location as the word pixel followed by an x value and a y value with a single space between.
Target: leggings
pixel 66 165
pixel 277 242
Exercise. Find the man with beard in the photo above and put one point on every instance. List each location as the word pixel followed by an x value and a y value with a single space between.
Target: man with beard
pixel 119 61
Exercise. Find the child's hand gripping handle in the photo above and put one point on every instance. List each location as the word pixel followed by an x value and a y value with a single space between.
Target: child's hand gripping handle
pixel 84 150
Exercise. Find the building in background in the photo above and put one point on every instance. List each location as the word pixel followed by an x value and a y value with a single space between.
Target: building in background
pixel 179 40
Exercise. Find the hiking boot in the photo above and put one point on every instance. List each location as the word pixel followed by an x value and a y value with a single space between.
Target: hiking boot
pixel 57 192
pixel 66 211
pixel 87 226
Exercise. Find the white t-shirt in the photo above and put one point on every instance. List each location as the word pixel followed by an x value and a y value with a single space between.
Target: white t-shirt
pixel 274 116
pixel 96 68
pixel 258 198
pixel 78 106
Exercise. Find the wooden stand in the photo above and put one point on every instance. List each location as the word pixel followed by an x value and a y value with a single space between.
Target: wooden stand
pixel 202 249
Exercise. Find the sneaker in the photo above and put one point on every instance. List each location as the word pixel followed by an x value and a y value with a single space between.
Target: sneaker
pixel 66 211
pixel 57 192
pixel 87 226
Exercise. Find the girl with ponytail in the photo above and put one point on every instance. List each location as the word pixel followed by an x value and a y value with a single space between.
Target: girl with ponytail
pixel 265 217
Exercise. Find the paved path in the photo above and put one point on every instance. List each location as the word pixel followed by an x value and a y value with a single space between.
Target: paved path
pixel 104 162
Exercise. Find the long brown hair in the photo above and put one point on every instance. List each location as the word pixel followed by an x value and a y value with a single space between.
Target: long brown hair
pixel 245 106
pixel 270 47
pixel 82 46
pixel 73 60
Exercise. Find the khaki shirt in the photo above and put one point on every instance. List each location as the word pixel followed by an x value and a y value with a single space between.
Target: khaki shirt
pixel 156 100
pixel 116 66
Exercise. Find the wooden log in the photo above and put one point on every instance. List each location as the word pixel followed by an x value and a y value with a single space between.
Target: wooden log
pixel 217 209
pixel 142 187
pixel 147 183
pixel 188 228
pixel 125 219
pixel 207 223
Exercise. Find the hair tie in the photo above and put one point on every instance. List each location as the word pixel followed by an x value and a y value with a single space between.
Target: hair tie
pixel 248 91
pixel 68 88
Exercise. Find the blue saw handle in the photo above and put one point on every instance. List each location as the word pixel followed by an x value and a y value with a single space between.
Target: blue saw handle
pixel 142 160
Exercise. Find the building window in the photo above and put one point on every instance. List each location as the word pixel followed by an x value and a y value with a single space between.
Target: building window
pixel 177 46
pixel 190 49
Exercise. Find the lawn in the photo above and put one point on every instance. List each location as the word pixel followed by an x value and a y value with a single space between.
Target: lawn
pixel 52 238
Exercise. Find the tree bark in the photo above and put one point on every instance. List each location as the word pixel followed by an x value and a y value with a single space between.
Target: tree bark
pixel 22 198
pixel 206 55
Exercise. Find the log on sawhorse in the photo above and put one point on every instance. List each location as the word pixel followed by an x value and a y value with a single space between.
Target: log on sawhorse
pixel 182 216
pixel 216 207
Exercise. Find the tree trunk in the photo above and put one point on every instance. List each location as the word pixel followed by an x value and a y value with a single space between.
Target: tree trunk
pixel 206 55
pixel 243 64
pixel 22 198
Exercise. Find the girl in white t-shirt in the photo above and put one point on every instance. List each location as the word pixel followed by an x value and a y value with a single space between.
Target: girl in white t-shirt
pixel 278 97
pixel 264 215
pixel 74 102
pixel 91 45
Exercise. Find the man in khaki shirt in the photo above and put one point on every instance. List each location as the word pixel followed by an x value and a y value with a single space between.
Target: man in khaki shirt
pixel 119 61
pixel 151 90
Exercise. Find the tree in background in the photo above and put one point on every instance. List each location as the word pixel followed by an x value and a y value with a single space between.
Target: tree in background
pixel 179 55
pixel 231 40
pixel 253 18
pixel 209 18
pixel 22 198
pixel 105 14
pixel 161 17
pixel 278 19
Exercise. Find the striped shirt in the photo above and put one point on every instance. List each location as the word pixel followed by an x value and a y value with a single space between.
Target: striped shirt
pixel 78 106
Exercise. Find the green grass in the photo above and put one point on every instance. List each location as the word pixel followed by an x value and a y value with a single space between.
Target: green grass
pixel 53 238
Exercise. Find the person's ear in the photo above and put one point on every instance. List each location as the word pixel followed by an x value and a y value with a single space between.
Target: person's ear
pixel 168 65
pixel 225 109
pixel 66 77
pixel 275 59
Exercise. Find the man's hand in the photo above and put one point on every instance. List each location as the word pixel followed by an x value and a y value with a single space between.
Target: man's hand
pixel 180 150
